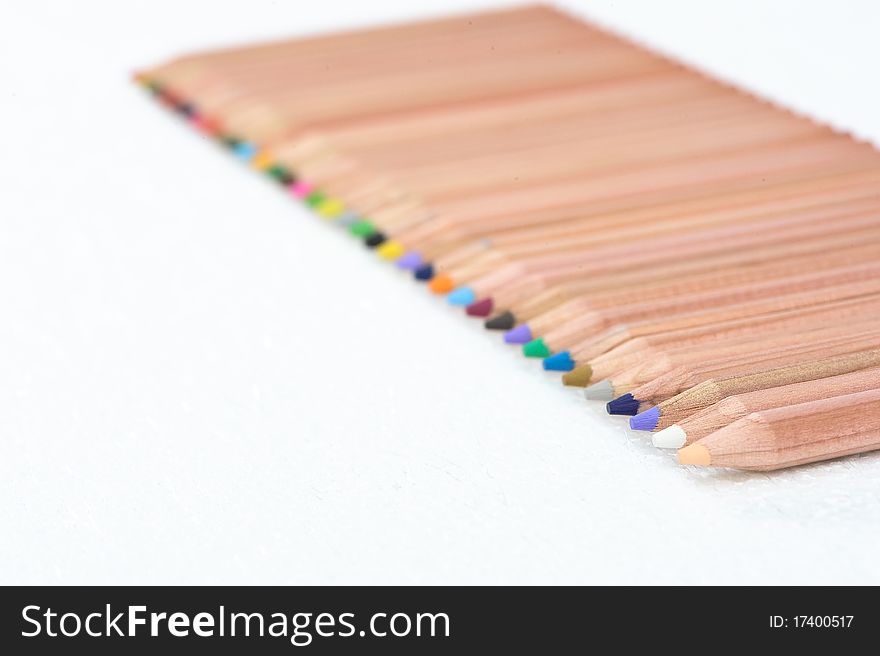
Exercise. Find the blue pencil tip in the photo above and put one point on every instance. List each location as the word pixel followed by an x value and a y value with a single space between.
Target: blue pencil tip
pixel 462 296
pixel 245 150
pixel 646 420
pixel 623 405
pixel 559 362
pixel 424 272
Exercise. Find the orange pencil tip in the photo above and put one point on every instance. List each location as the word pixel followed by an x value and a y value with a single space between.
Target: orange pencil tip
pixel 695 454
pixel 441 284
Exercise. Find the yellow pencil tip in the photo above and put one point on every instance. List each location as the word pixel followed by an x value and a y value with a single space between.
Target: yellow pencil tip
pixel 390 250
pixel 330 208
pixel 695 454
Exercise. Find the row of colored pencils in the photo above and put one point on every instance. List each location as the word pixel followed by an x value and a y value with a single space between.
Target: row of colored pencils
pixel 701 260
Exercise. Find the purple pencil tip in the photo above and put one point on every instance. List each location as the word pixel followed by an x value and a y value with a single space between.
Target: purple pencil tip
pixel 647 420
pixel 519 335
pixel 409 261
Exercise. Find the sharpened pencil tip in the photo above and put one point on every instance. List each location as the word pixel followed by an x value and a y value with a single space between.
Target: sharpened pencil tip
pixel 519 335
pixel 346 219
pixel 390 250
pixel 376 239
pixel 536 349
pixel 601 391
pixel 672 437
pixel 695 454
pixel 623 405
pixel 300 189
pixel 579 377
pixel 280 173
pixel 315 198
pixel 362 228
pixel 244 150
pixel 262 161
pixel 441 284
pixel 559 362
pixel 210 127
pixel 409 261
pixel 503 321
pixel 187 110
pixel 330 208
pixel 461 296
pixel 424 272
pixel 647 420
pixel 481 308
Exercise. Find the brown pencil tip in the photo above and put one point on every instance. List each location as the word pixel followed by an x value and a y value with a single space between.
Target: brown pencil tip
pixel 579 376
pixel 695 454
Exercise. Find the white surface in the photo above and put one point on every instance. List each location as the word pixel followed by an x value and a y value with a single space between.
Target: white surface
pixel 201 383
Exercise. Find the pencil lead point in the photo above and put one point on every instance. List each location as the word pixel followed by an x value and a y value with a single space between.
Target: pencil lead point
pixel 187 110
pixel 315 198
pixel 441 284
pixel 579 377
pixel 347 219
pixel 519 335
pixel 244 150
pixel 206 125
pixel 424 272
pixel 536 349
pixel 672 437
pixel 647 420
pixel 376 239
pixel 409 261
pixel 330 208
pixel 390 250
pixel 503 321
pixel 695 454
pixel 559 362
pixel 263 161
pixel 481 308
pixel 280 173
pixel 461 296
pixel 362 228
pixel 300 189
pixel 623 405
pixel 601 391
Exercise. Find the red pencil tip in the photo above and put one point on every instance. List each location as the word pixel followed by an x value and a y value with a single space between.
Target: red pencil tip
pixel 481 308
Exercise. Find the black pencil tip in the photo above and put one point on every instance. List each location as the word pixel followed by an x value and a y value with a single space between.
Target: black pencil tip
pixel 375 239
pixel 503 321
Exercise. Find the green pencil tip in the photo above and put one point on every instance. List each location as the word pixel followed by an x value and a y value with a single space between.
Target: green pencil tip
pixel 362 228
pixel 536 349
pixel 315 198
pixel 278 172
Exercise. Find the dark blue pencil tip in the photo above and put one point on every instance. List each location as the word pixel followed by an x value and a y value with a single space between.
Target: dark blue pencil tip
pixel 424 272
pixel 623 405
pixel 647 420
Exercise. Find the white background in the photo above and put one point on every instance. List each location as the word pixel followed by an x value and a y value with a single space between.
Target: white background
pixel 202 383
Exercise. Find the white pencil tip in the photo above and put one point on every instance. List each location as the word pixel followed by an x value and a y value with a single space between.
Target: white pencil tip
pixel 601 391
pixel 672 437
